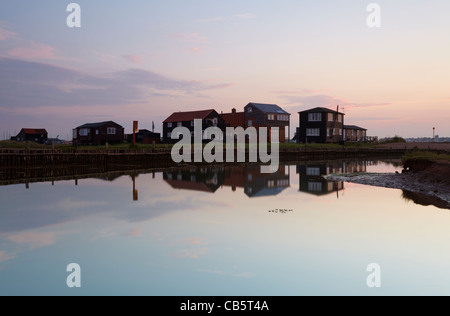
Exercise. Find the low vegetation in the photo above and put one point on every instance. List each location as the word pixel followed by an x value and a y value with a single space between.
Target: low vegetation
pixel 427 156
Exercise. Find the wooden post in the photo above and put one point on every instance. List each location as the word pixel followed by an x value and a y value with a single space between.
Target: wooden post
pixel 135 128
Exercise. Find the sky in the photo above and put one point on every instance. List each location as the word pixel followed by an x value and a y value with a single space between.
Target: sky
pixel 143 60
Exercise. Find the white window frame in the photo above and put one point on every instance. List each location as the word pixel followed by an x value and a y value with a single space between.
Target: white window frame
pixel 84 131
pixel 313 132
pixel 111 131
pixel 314 117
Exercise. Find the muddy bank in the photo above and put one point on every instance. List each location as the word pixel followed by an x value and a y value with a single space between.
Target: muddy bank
pixel 426 183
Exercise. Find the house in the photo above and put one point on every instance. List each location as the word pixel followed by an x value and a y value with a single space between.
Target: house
pixel 233 119
pixel 258 184
pixel 210 118
pixel 99 133
pixel 321 125
pixel 354 133
pixel 312 180
pixel 268 115
pixel 38 135
pixel 144 136
pixel 203 179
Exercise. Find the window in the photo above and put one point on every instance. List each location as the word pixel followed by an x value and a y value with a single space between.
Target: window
pixel 169 135
pixel 192 123
pixel 271 183
pixel 271 117
pixel 313 171
pixel 250 177
pixel 179 124
pixel 111 131
pixel 330 117
pixel 215 121
pixel 315 117
pixel 250 123
pixel 96 132
pixel 314 186
pixel 169 124
pixel 84 132
pixel 313 132
pixel 283 117
pixel 74 134
pixel 250 110
pixel 340 118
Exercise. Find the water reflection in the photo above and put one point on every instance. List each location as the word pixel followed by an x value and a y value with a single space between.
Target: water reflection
pixel 218 230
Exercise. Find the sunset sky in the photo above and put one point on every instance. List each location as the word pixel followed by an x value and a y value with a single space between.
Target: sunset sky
pixel 142 60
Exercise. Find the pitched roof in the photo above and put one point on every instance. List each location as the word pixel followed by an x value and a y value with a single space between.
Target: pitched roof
pixel 234 119
pixel 268 108
pixel 354 127
pixel 321 110
pixel 187 116
pixel 34 130
pixel 95 125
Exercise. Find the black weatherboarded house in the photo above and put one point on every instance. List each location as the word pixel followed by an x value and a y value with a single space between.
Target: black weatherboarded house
pixel 38 135
pixel 321 125
pixel 98 133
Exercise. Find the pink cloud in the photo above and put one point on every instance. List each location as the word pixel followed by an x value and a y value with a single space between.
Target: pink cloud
pixel 4 256
pixel 34 240
pixel 137 59
pixel 34 50
pixel 190 253
pixel 5 34
pixel 135 232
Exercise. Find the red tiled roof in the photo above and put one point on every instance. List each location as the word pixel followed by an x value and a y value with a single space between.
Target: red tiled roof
pixel 187 116
pixel 34 131
pixel 234 119
pixel 188 185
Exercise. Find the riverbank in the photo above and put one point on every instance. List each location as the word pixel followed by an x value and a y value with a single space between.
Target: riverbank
pixel 429 180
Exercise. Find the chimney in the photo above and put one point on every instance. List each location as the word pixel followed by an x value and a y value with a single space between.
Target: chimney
pixel 233 111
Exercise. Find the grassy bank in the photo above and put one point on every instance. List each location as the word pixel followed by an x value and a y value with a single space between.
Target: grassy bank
pixel 427 156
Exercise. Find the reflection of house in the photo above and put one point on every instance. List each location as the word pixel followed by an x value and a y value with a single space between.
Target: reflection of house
pixel 354 133
pixel 210 118
pixel 312 181
pixel 197 179
pixel 98 133
pixel 311 175
pixel 257 184
pixel 321 125
pixel 268 115
pixel 38 135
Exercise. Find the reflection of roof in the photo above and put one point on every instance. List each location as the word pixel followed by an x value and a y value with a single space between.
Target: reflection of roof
pixel 34 131
pixel 95 125
pixel 187 116
pixel 321 110
pixel 354 127
pixel 189 185
pixel 267 192
pixel 268 108
pixel 234 119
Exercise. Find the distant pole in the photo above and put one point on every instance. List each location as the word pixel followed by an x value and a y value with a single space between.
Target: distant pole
pixel 135 127
pixel 434 133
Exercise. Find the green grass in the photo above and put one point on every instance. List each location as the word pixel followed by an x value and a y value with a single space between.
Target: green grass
pixel 426 156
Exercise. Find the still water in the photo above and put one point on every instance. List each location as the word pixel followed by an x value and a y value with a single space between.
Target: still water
pixel 222 231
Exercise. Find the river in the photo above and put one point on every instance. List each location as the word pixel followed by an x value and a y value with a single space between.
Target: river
pixel 222 231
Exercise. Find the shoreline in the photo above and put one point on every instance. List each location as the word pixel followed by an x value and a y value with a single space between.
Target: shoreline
pixel 428 192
